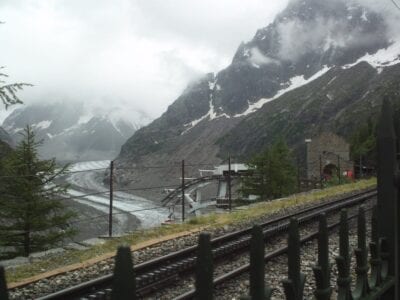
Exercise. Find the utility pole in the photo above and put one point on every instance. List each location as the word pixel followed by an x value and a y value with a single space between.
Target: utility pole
pixel 298 174
pixel 361 169
pixel 339 173
pixel 110 218
pixel 308 141
pixel 320 171
pixel 229 184
pixel 183 191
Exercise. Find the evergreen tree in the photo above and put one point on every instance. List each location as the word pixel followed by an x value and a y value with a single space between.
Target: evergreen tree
pixel 283 172
pixel 8 91
pixel 32 215
pixel 363 145
pixel 256 183
pixel 273 174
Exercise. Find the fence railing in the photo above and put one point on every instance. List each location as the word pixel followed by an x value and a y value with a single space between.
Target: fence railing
pixel 376 274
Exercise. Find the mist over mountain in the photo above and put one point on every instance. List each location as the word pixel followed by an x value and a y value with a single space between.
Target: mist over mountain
pixel 320 65
pixel 71 131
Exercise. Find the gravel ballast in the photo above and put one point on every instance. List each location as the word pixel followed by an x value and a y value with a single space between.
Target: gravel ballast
pixel 56 283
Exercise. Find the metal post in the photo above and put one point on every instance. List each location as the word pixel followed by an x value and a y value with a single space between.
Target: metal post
pixel 229 184
pixel 183 191
pixel 204 268
pixel 298 174
pixel 3 285
pixel 339 173
pixel 388 215
pixel 294 284
pixel 110 218
pixel 361 170
pixel 124 283
pixel 308 141
pixel 320 171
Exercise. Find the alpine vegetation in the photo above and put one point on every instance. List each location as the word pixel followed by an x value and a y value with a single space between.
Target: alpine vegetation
pixel 32 215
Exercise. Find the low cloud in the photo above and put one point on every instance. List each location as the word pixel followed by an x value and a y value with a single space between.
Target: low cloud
pixel 259 59
pixel 138 52
pixel 298 37
pixel 389 11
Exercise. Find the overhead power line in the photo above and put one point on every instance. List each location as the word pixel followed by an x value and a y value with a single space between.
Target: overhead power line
pixel 396 4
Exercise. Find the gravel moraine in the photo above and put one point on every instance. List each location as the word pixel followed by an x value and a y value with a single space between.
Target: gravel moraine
pixel 56 283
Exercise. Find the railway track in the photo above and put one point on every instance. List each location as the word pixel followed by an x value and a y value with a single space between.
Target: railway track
pixel 156 273
pixel 279 251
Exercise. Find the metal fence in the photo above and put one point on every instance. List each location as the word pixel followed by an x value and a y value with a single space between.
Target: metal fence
pixel 376 278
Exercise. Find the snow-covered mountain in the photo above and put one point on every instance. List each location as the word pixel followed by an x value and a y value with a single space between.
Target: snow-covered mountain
pixel 72 131
pixel 319 65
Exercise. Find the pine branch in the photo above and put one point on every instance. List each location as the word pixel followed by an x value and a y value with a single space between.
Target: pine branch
pixel 8 91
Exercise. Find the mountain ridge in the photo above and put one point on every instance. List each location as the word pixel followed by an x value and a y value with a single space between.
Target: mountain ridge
pixel 72 131
pixel 219 114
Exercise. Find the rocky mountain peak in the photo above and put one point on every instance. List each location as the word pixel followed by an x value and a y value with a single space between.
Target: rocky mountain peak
pixel 312 67
pixel 75 131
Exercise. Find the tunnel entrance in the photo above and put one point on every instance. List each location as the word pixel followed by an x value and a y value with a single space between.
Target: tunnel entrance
pixel 330 171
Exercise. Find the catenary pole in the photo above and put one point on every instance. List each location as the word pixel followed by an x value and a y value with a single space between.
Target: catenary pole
pixel 320 171
pixel 110 219
pixel 183 191
pixel 229 184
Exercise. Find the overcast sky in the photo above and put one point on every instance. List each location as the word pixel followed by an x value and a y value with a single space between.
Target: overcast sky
pixel 139 53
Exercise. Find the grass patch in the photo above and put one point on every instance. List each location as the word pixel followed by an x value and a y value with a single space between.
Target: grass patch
pixel 211 221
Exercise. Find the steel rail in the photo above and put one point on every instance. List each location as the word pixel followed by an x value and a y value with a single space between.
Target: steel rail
pixel 268 257
pixel 169 266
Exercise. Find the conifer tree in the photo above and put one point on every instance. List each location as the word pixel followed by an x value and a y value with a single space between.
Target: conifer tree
pixel 32 215
pixel 363 144
pixel 8 92
pixel 272 173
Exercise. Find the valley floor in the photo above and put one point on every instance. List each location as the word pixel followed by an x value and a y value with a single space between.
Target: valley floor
pixel 90 199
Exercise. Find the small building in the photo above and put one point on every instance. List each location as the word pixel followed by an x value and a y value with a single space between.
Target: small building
pixel 326 156
pixel 235 169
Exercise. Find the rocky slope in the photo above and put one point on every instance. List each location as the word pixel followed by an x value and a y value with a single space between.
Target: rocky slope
pixel 73 132
pixel 319 65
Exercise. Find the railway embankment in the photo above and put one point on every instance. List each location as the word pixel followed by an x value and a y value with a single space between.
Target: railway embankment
pixel 73 266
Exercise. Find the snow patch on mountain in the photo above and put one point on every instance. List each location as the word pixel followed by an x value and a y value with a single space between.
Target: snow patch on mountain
pixel 364 16
pixel 42 125
pixel 257 59
pixel 85 118
pixel 211 84
pixel 294 83
pixel 387 57
pixel 211 115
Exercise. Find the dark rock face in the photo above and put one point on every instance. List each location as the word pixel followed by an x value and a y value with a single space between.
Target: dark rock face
pixel 191 105
pixel 68 133
pixel 340 101
pixel 305 38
